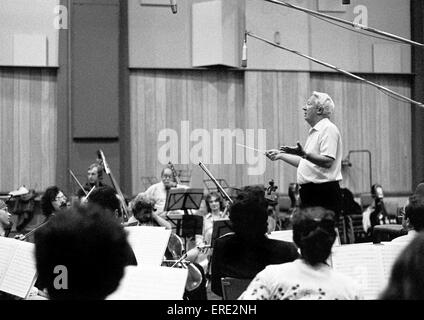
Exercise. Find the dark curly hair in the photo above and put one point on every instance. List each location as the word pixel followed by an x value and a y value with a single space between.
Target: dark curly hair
pixel 314 232
pixel 248 213
pixel 140 204
pixel 46 200
pixel 106 198
pixel 90 245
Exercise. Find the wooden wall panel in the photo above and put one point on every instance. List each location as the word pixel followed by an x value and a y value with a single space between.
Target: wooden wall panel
pixel 163 99
pixel 370 120
pixel 28 118
pixel 271 101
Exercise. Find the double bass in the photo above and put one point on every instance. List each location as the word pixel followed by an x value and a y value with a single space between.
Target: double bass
pixel 103 162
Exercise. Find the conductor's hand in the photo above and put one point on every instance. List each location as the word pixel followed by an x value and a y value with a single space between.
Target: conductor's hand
pixel 272 154
pixel 298 150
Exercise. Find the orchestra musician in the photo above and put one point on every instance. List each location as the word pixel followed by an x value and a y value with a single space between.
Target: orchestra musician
pixel 52 201
pixel 144 211
pixel 105 199
pixel 248 250
pixel 94 177
pixel 5 222
pixel 201 254
pixel 309 277
pixel 158 192
pixel 90 245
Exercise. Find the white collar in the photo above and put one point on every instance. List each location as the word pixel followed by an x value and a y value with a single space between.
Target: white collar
pixel 319 125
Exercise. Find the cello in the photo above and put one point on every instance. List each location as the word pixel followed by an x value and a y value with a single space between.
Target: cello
pixel 103 162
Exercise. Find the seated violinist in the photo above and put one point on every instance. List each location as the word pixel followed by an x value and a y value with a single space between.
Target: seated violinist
pixel 5 223
pixel 216 211
pixel 143 210
pixel 94 177
pixel 52 201
pixel 158 192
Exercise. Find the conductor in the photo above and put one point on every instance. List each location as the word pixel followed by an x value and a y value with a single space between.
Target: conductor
pixel 319 162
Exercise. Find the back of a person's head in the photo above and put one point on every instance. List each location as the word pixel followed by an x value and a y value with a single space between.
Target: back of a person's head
pixel 415 214
pixel 248 213
pixel 90 249
pixel 407 275
pixel 314 233
pixel 105 197
pixel 417 199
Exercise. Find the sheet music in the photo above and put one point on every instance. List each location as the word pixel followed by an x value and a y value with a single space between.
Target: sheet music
pixel 21 272
pixel 369 264
pixel 287 235
pixel 284 235
pixel 390 253
pixel 149 244
pixel 151 283
pixel 7 249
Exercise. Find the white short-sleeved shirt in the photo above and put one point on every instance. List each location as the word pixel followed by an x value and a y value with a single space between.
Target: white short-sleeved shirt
pixel 299 281
pixel 158 193
pixel 324 139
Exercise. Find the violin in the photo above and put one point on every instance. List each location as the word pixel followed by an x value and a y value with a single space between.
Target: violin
pixel 103 162
pixel 22 237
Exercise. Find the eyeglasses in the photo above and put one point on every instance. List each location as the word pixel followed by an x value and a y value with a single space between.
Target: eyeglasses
pixel 60 197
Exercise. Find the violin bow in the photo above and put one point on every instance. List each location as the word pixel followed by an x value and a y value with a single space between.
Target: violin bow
pixel 76 180
pixel 220 188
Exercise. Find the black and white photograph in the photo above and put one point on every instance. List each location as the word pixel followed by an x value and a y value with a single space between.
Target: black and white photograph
pixel 203 155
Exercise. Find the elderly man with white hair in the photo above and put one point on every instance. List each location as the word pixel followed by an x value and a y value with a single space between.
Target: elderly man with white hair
pixel 319 162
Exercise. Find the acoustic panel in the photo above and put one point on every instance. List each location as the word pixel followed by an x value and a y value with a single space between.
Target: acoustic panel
pixel 95 71
pixel 30 50
pixel 387 58
pixel 216 34
pixel 331 6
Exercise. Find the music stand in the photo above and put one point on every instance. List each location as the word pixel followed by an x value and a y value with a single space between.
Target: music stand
pixel 220 228
pixel 185 199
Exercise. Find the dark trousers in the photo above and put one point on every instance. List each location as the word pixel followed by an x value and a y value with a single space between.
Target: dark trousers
pixel 326 195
